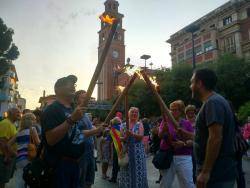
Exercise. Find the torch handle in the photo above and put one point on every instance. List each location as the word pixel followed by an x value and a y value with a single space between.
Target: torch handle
pixel 100 63
pixel 118 101
pixel 126 110
pixel 159 99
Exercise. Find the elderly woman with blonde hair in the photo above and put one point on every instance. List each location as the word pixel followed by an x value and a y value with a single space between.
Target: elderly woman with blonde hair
pixel 134 175
pixel 190 112
pixel 181 165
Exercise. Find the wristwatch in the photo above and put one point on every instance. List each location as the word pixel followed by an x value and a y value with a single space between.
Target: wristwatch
pixel 70 121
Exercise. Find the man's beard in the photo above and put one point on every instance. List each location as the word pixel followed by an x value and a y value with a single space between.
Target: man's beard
pixel 196 95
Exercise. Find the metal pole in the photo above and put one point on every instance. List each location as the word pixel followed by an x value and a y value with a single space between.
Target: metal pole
pixel 193 52
pixel 126 110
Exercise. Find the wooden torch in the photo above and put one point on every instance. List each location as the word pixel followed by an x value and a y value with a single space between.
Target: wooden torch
pixel 114 23
pixel 159 99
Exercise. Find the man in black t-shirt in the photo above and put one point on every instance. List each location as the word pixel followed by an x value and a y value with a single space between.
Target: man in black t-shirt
pixel 214 134
pixel 59 125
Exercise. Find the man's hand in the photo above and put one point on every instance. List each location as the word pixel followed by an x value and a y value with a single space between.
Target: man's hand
pixel 178 144
pixel 78 113
pixel 202 179
pixel 100 129
pixel 105 125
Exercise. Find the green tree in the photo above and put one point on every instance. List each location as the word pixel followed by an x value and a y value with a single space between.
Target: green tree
pixel 244 112
pixel 142 97
pixel 233 83
pixel 8 50
pixel 179 83
pixel 233 79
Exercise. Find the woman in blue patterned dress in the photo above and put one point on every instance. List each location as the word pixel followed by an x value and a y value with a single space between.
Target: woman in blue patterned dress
pixel 134 175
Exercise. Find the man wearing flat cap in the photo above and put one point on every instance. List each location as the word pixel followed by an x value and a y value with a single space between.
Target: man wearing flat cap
pixel 59 124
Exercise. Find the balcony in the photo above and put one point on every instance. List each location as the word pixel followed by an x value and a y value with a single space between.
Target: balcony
pixel 4 97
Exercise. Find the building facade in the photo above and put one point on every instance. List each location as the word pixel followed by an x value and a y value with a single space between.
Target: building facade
pixel 9 95
pixel 108 79
pixel 224 30
pixel 21 103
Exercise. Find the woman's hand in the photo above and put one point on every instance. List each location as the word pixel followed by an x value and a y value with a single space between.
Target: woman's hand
pixel 123 138
pixel 185 134
pixel 165 127
pixel 129 133
pixel 189 143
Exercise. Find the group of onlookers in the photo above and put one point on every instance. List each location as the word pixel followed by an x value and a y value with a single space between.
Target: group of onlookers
pixel 16 134
pixel 201 141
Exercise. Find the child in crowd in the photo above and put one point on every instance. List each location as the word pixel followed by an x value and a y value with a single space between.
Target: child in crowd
pixel 105 146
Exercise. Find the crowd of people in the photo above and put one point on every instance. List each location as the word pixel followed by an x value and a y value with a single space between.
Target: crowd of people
pixel 198 149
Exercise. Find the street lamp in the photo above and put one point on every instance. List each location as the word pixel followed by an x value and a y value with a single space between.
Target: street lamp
pixel 192 29
pixel 151 64
pixel 98 83
pixel 145 57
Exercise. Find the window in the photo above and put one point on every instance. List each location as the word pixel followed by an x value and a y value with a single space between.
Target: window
pixel 189 53
pixel 212 26
pixel 229 44
pixel 227 20
pixel 180 57
pixel 186 40
pixel 208 46
pixel 198 50
pixel 1 83
pixel 103 37
pixel 248 12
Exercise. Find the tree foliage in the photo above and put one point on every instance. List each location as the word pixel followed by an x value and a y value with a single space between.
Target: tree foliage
pixel 233 83
pixel 233 79
pixel 8 50
pixel 244 112
pixel 140 96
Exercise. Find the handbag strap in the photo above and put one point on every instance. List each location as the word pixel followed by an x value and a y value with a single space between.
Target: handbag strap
pixel 169 136
pixel 31 141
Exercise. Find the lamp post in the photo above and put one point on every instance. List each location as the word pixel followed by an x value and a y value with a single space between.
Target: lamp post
pixel 151 65
pixel 99 84
pixel 145 57
pixel 192 29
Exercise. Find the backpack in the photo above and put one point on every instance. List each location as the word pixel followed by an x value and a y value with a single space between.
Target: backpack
pixel 38 174
pixel 240 144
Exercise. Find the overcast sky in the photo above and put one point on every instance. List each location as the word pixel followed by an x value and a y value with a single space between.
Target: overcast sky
pixel 59 37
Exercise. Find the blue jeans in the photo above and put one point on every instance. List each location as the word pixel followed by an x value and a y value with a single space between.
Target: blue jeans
pixel 67 174
pixel 226 184
pixel 181 166
pixel 87 171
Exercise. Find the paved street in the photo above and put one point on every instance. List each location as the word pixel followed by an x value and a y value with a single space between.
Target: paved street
pixel 153 176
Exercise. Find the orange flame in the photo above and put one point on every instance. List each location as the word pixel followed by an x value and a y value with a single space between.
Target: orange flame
pixel 132 70
pixel 120 88
pixel 137 70
pixel 107 19
pixel 153 81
